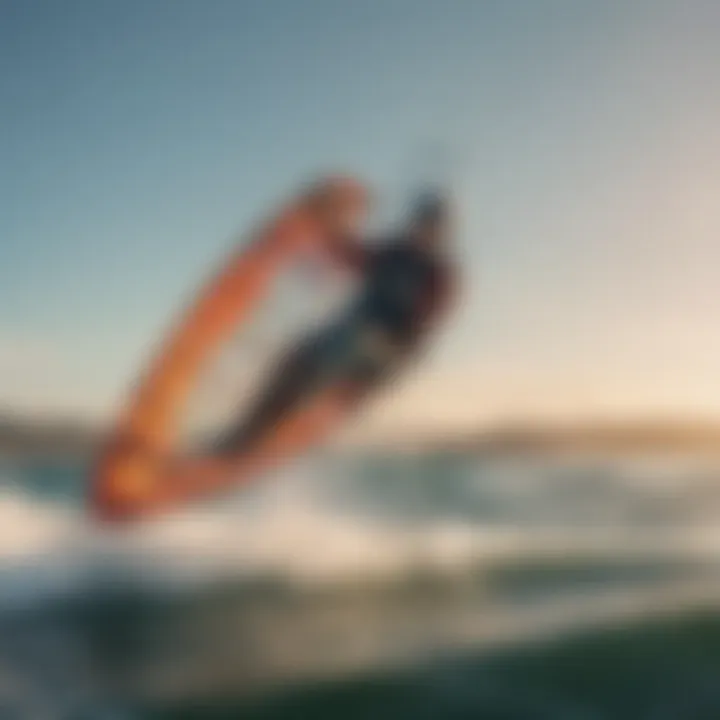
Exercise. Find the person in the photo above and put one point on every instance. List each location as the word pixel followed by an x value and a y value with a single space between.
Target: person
pixel 407 282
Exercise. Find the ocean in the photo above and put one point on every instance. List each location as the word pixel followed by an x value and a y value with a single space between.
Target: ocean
pixel 373 585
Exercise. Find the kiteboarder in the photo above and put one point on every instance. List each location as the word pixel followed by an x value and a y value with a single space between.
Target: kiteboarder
pixel 406 284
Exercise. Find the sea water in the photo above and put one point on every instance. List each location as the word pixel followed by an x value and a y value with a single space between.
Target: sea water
pixel 415 569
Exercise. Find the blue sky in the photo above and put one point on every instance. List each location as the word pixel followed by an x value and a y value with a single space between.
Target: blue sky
pixel 138 138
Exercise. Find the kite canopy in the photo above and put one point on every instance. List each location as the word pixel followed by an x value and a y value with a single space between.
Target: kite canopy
pixel 143 467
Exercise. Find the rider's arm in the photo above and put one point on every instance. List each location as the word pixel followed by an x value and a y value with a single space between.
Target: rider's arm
pixel 438 302
pixel 349 252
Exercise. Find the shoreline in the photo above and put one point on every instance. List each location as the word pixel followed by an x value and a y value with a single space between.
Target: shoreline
pixel 71 438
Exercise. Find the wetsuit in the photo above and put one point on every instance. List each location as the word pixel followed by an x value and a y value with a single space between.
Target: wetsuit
pixel 403 290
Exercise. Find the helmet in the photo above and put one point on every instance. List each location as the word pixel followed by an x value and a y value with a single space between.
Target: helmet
pixel 429 207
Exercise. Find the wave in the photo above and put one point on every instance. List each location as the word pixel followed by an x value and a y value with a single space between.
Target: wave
pixel 296 532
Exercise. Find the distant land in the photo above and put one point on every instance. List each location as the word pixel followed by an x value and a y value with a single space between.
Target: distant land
pixel 65 437
pixel 68 437
pixel 637 436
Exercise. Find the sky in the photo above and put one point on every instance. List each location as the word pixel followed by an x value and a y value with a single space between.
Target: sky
pixel 581 140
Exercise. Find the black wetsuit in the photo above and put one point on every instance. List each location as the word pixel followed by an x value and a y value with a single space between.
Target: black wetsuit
pixel 401 282
pixel 403 287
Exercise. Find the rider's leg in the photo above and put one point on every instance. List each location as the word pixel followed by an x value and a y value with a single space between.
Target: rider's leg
pixel 299 374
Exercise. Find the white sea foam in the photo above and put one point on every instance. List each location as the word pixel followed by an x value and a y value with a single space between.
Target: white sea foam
pixel 290 529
